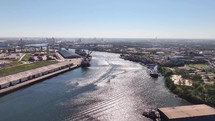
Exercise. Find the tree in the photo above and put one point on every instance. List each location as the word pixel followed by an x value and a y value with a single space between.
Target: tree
pixel 178 90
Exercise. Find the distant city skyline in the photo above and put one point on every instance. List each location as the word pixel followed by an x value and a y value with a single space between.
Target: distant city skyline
pixel 108 18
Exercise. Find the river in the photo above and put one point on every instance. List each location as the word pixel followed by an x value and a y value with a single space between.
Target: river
pixel 111 89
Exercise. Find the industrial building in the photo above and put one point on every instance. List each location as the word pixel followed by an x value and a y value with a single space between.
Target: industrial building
pixel 4 47
pixel 68 54
pixel 200 112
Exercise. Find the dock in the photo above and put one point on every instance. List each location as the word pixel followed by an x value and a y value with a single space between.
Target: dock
pixel 200 112
pixel 19 80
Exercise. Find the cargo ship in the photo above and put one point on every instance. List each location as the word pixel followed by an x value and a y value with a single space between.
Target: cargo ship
pixel 80 52
pixel 87 60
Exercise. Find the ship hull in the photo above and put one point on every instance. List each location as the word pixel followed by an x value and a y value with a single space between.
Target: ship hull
pixel 85 65
pixel 152 71
pixel 154 75
pixel 86 62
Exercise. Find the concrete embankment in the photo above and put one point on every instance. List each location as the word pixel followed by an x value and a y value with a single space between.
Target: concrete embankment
pixel 16 81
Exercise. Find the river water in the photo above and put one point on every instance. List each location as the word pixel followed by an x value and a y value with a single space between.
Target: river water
pixel 111 89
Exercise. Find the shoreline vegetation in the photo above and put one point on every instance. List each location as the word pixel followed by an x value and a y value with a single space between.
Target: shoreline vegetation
pixel 198 93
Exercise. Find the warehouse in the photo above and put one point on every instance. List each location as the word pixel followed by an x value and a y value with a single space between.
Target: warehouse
pixel 4 84
pixel 188 113
pixel 68 54
pixel 14 80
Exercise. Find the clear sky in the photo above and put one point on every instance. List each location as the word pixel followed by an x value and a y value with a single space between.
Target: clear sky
pixel 108 18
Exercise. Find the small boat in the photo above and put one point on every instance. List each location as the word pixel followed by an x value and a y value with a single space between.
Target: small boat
pixel 154 74
pixel 152 114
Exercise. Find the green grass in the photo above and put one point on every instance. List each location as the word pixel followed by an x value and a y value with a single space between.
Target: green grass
pixel 20 68
pixel 26 57
pixel 198 66
pixel 13 63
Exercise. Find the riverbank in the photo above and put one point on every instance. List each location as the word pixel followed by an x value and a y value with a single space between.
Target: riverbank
pixel 198 93
pixel 16 82
pixel 110 86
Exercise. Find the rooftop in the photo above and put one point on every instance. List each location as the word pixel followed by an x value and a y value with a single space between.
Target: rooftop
pixel 187 111
pixel 4 45
pixel 68 54
pixel 37 45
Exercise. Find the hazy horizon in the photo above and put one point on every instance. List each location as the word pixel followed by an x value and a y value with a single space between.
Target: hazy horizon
pixel 178 19
pixel 155 38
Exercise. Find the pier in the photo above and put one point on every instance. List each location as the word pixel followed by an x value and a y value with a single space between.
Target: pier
pixel 19 80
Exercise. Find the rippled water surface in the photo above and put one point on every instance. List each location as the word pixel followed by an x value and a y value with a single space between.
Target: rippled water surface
pixel 111 89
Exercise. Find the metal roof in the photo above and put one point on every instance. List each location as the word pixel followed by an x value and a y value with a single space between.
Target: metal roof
pixel 4 45
pixel 68 54
pixel 37 45
pixel 187 111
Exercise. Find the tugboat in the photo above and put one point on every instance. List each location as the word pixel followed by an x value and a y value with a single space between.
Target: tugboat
pixel 87 60
pixel 153 74
pixel 152 114
pixel 152 70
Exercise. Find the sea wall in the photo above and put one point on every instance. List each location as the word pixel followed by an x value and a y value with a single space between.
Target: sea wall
pixel 16 81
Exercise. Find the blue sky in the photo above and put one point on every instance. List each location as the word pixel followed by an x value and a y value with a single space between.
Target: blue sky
pixel 108 18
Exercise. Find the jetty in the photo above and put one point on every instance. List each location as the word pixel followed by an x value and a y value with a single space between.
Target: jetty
pixel 19 80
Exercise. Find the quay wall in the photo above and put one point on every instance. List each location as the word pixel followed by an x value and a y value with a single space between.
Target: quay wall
pixel 17 81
